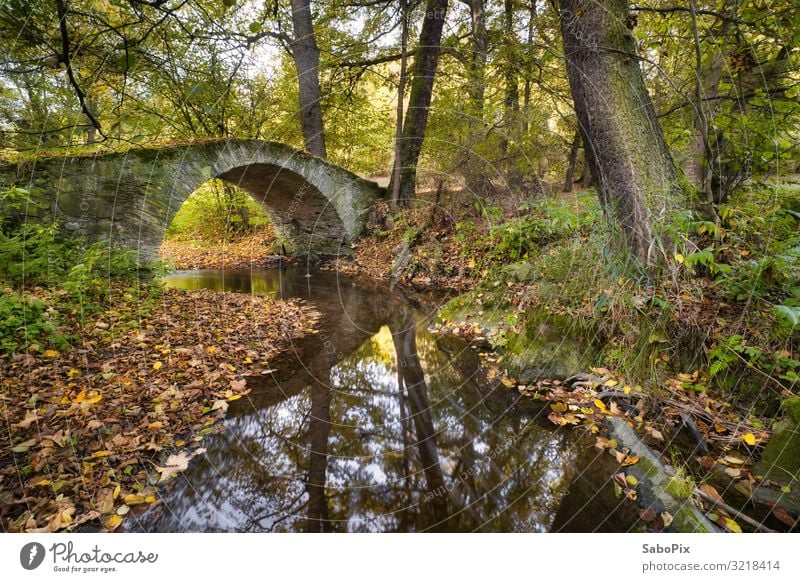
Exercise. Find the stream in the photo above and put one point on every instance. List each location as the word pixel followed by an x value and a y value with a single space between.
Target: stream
pixel 374 424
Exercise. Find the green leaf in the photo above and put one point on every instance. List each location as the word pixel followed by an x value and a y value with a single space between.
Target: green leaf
pixel 255 27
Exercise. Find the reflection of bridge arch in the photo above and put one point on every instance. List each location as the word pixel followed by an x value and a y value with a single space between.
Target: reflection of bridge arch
pixel 131 197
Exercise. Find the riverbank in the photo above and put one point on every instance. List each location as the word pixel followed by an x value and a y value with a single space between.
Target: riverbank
pixel 705 358
pixel 95 426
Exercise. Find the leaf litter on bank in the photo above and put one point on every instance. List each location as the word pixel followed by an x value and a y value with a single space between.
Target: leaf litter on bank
pixel 93 429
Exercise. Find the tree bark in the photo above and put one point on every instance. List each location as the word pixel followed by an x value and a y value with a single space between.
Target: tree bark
pixel 305 53
pixel 569 178
pixel 424 71
pixel 511 99
pixel 628 157
pixel 526 98
pixel 401 91
pixel 477 62
pixel 586 178
pixel 699 167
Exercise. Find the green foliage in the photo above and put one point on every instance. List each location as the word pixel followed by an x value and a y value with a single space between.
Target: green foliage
pixel 89 279
pixel 216 212
pixel 26 320
pixel 547 221
pixel 33 254
pixel 734 354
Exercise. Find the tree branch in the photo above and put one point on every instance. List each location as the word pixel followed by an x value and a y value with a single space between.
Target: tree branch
pixel 65 58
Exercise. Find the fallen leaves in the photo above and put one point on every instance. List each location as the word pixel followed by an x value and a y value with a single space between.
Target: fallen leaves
pixel 89 425
pixel 255 249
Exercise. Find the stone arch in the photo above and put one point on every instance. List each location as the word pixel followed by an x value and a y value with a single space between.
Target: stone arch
pixel 130 198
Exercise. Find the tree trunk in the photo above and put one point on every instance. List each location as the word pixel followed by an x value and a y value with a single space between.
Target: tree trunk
pixel 699 166
pixel 511 99
pixel 526 98
pixel 401 91
pixel 569 179
pixel 424 71
pixel 306 59
pixel 477 64
pixel 586 178
pixel 628 156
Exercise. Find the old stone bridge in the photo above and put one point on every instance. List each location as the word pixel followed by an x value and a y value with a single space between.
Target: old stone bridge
pixel 130 198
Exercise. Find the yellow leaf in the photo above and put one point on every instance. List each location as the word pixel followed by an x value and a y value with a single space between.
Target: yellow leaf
pixel 248 360
pixel 631 480
pixel 731 525
pixel 133 499
pixel 234 397
pixel 113 522
pixel 211 349
pixel 558 407
pixel 51 354
pixel 99 454
pixel 507 382
pixel 749 438
pixel 601 405
pixel 157 365
pixel 679 258
pixel 630 461
pixel 150 498
pixel 73 372
pixel 471 264
pixel 611 383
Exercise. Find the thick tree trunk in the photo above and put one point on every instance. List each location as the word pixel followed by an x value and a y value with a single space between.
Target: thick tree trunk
pixel 419 101
pixel 306 59
pixel 569 178
pixel 628 156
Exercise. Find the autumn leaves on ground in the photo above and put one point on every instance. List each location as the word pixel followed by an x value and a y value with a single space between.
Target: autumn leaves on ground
pixel 91 430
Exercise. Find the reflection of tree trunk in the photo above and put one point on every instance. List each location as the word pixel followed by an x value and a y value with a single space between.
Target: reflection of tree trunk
pixel 319 430
pixel 405 342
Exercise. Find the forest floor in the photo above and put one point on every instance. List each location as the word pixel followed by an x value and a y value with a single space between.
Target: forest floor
pixel 698 363
pixel 94 427
pixel 253 250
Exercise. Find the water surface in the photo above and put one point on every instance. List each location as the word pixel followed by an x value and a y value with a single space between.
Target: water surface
pixel 376 425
